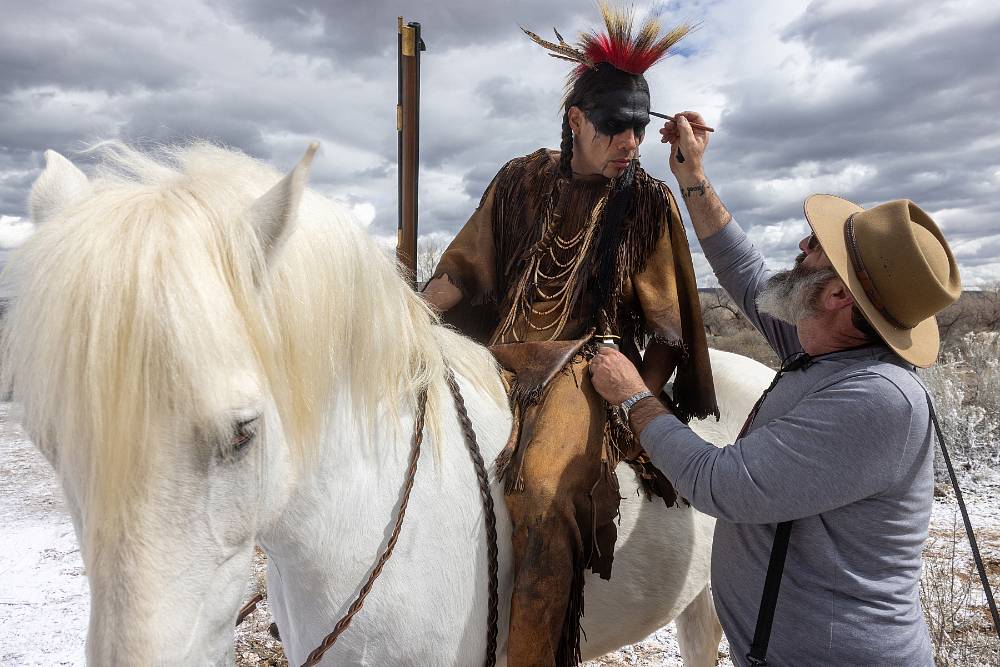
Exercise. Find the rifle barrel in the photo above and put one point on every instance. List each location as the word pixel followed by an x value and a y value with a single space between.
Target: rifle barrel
pixel 408 131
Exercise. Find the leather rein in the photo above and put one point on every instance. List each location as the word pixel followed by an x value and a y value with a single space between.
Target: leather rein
pixel 472 445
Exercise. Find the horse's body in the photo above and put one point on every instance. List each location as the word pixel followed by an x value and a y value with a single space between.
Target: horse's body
pixel 208 367
pixel 436 594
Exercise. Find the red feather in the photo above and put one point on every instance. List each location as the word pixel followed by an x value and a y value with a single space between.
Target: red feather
pixel 623 55
pixel 619 48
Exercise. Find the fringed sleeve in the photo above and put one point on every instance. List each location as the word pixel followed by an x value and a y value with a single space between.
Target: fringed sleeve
pixel 667 293
pixel 470 259
pixel 470 264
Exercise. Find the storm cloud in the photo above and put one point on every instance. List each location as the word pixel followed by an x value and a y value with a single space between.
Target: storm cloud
pixel 869 100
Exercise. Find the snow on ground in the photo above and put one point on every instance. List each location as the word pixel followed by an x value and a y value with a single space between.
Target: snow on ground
pixel 44 597
pixel 44 602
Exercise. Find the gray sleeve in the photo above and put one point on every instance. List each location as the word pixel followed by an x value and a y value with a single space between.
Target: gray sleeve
pixel 840 444
pixel 740 269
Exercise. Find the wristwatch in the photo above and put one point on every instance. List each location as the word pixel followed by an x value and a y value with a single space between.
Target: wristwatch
pixel 632 400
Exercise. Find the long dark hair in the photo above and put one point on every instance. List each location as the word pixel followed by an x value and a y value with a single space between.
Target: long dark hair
pixel 586 93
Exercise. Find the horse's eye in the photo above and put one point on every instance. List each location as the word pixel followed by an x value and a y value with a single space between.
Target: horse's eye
pixel 242 436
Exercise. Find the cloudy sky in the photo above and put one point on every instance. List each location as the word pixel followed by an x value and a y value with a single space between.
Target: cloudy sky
pixel 869 100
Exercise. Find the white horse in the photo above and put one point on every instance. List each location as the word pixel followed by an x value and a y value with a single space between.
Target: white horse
pixel 211 360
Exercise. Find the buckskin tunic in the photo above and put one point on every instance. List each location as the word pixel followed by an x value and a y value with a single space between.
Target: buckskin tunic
pixel 542 263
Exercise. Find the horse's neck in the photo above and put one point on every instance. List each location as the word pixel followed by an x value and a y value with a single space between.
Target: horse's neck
pixel 333 526
pixel 339 518
pixel 349 488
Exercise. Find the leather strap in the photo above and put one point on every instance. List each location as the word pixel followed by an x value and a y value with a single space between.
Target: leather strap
pixel 864 277
pixel 769 598
pixel 965 519
pixel 411 472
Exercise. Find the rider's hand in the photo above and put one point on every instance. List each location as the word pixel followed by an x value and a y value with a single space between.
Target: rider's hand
pixel 441 294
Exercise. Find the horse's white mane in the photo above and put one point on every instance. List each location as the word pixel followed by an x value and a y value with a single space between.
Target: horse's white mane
pixel 140 300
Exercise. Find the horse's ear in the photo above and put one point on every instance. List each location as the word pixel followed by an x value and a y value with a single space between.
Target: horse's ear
pixel 59 183
pixel 273 214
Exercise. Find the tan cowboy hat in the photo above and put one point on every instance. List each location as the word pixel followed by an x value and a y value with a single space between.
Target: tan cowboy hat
pixel 897 265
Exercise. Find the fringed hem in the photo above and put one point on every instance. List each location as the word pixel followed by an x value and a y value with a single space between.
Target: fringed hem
pixel 510 461
pixel 526 396
pixel 652 482
pixel 673 343
pixel 568 654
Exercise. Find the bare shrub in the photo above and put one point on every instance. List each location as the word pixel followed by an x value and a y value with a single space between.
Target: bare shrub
pixel 728 329
pixel 965 386
pixel 720 313
pixel 975 310
pixel 958 319
pixel 429 251
pixel 988 312
pixel 954 608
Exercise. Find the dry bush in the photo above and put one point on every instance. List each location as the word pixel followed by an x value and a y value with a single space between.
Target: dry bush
pixel 728 329
pixel 965 386
pixel 977 310
pixel 720 313
pixel 958 620
pixel 429 251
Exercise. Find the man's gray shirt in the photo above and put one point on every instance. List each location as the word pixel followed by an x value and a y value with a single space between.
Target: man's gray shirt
pixel 843 448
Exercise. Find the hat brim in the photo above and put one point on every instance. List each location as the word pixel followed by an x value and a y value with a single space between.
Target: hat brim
pixel 827 215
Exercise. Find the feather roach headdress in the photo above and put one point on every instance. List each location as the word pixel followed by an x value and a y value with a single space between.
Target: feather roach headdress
pixel 617 46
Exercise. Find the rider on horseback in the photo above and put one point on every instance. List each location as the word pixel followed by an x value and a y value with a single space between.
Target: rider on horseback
pixel 564 244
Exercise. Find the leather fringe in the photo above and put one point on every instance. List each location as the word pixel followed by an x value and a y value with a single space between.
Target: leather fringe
pixel 568 653
pixel 535 179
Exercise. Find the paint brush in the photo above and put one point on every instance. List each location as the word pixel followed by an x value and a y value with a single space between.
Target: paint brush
pixel 697 126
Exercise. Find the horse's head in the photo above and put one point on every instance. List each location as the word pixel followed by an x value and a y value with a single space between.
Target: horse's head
pixel 143 347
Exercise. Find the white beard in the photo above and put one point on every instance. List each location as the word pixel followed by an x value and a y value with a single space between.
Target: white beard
pixel 792 295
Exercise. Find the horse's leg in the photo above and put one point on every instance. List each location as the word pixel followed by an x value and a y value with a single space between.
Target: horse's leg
pixel 699 632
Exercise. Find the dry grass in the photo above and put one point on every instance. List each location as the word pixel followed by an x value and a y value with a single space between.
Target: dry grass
pixel 727 329
pixel 954 605
pixel 255 647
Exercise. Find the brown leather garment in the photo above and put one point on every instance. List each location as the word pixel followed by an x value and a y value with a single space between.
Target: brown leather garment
pixel 534 364
pixel 656 303
pixel 563 514
pixel 529 368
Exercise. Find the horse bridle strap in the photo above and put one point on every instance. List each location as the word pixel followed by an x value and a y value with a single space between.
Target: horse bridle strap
pixel 411 473
pixel 490 518
pixel 469 434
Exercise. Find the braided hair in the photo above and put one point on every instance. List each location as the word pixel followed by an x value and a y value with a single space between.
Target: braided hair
pixel 566 147
pixel 586 93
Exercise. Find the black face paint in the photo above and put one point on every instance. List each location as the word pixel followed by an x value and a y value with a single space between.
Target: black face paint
pixel 619 110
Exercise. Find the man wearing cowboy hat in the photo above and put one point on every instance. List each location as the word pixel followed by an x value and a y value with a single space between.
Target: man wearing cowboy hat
pixel 841 446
